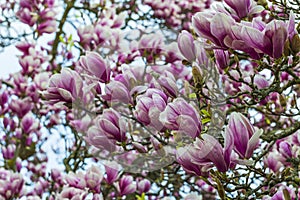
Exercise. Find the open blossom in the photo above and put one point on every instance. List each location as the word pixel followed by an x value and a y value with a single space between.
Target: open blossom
pixel 48 26
pixel 274 161
pixel 76 180
pixel 208 149
pixel 205 153
pixel 27 16
pixel 270 40
pixel 280 194
pixel 11 184
pixel 245 137
pixel 41 80
pixel 43 12
pixel 25 46
pixel 56 175
pixel 95 65
pixel 83 124
pixel 99 140
pixel 29 63
pixel 117 91
pixel 213 26
pixel 150 45
pixel 149 106
pixel 182 116
pixel 185 159
pixel 87 36
pixel 64 87
pixel 243 8
pixel 109 129
pixel 21 106
pixel 112 172
pixel 168 84
pixel 259 81
pixel 93 178
pixel 253 38
pixel 72 193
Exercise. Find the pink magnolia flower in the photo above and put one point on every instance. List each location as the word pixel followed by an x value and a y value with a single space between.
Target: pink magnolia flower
pixel 64 87
pixel 270 41
pixel 32 62
pixel 139 147
pixel 150 45
pixel 149 106
pixel 76 180
pixel 112 172
pixel 126 185
pixel 21 106
pixel 274 161
pixel 143 186
pixel 24 47
pixel 222 58
pixel 95 65
pixel 285 149
pixel 99 140
pixel 279 195
pixel 213 26
pixel 48 26
pixel 93 178
pixel 26 16
pixel 41 80
pixel 243 8
pixel 56 176
pixel 82 124
pixel 3 98
pixel 181 116
pixel 209 150
pixel 72 193
pixel 112 125
pixel 185 159
pixel 168 84
pixel 261 81
pixel 186 45
pixel 29 123
pixel 9 151
pixel 87 36
pixel 11 184
pixel 292 26
pixel 118 90
pixel 245 137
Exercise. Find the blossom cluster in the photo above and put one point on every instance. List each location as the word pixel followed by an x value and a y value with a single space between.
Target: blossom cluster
pixel 206 106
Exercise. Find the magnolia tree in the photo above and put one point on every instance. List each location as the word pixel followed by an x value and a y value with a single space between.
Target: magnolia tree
pixel 151 99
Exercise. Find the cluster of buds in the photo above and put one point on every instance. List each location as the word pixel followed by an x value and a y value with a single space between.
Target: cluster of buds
pixel 177 13
pixel 254 38
pixel 207 152
pixel 105 32
pixel 30 13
